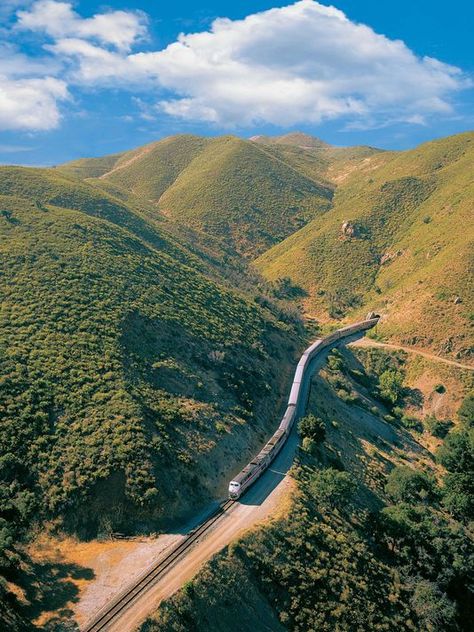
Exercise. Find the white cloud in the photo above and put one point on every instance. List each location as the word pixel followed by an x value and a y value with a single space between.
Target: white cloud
pixel 58 19
pixel 303 63
pixel 30 103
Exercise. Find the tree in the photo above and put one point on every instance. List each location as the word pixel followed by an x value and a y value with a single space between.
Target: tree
pixel 434 610
pixel 457 452
pixel 458 494
pixel 332 487
pixel 407 484
pixel 391 385
pixel 466 410
pixel 312 427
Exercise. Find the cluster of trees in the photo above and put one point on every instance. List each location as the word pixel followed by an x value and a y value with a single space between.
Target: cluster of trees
pixel 457 456
pixel 315 570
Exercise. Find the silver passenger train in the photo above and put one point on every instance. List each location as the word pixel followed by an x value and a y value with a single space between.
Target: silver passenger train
pixel 259 464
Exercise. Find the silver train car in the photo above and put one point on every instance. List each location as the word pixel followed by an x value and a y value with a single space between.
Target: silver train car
pixel 259 464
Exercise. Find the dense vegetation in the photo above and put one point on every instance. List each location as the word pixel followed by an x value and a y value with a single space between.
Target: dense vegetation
pixel 141 353
pixel 230 188
pixel 126 374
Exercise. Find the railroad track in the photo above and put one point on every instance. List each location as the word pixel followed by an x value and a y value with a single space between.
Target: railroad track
pixel 107 615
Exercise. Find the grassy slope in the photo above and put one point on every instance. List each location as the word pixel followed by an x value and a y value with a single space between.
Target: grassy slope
pixel 232 189
pixel 235 190
pixel 317 159
pixel 83 168
pixel 111 394
pixel 416 209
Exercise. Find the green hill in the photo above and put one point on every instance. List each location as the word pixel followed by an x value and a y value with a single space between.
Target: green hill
pixel 399 239
pixel 231 189
pixel 235 190
pixel 318 160
pixel 127 375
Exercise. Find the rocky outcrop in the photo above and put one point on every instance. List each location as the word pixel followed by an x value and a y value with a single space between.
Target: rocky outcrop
pixel 349 230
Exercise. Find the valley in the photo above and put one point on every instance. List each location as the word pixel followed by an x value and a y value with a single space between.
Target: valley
pixel 154 304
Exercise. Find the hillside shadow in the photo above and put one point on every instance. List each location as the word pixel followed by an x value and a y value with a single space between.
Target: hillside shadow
pixel 50 587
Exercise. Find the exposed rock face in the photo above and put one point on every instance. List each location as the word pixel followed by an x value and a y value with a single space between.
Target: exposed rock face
pixel 457 300
pixel 349 229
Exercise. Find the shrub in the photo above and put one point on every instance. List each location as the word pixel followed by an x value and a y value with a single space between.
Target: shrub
pixel 411 423
pixel 457 456
pixel 308 445
pixel 312 427
pixel 406 484
pixel 434 610
pixel 391 386
pixel 466 410
pixel 332 487
pixel 437 427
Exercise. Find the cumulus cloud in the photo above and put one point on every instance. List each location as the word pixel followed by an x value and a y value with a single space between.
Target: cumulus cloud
pixel 303 63
pixel 58 19
pixel 30 103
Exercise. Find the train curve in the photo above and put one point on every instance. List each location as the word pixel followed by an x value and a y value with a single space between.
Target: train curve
pixel 253 470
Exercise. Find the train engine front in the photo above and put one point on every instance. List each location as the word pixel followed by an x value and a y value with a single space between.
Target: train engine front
pixel 234 490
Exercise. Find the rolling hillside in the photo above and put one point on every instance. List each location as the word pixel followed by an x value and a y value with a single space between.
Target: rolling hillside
pixel 319 160
pixel 142 354
pixel 399 238
pixel 231 189
pixel 127 374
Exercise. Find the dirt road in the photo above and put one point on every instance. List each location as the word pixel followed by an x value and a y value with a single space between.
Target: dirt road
pixel 367 342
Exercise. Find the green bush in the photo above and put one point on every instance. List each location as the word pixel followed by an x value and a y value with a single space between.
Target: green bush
pixel 437 427
pixel 391 386
pixel 407 484
pixel 332 487
pixel 313 428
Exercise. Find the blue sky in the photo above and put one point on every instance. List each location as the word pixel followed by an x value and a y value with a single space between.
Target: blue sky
pixel 85 78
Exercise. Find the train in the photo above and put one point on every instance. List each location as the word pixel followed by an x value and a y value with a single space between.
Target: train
pixel 251 472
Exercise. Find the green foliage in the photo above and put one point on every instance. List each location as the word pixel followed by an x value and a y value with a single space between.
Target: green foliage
pixel 107 389
pixel 457 456
pixel 408 484
pixel 437 427
pixel 391 386
pixel 316 571
pixel 457 452
pixel 433 608
pixel 332 487
pixel 229 188
pixel 466 410
pixel 411 423
pixel 313 428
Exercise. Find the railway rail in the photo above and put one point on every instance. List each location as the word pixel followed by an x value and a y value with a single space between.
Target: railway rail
pixel 109 613
pixel 143 583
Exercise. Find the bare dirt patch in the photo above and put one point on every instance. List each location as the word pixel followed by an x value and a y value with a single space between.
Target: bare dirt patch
pixel 107 568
